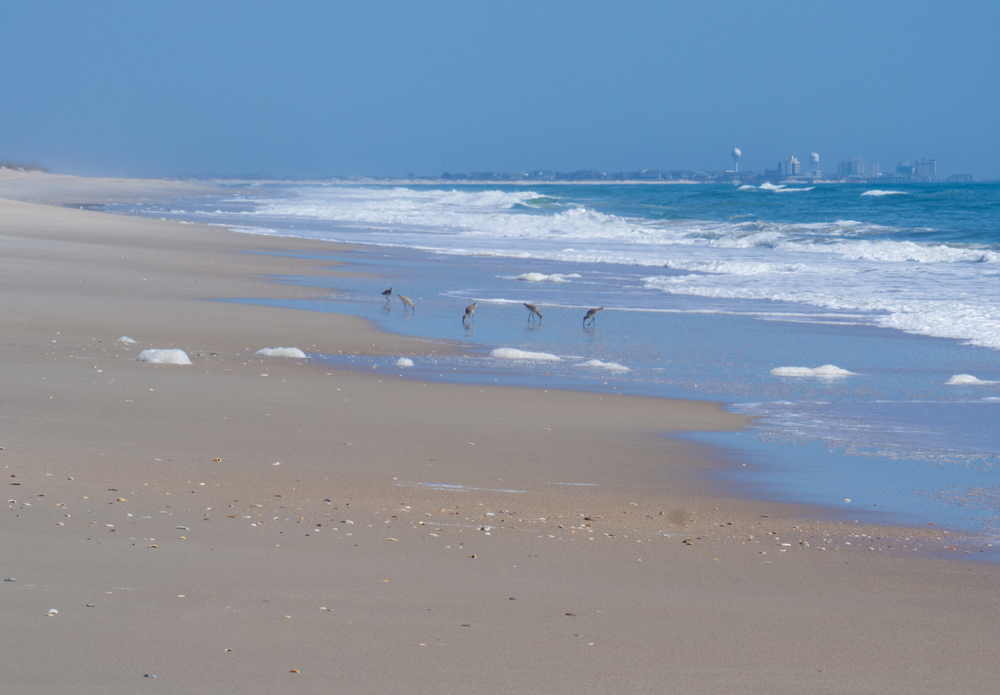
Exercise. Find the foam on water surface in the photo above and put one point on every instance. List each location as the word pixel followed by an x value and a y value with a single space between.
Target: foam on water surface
pixel 827 371
pixel 609 366
pixel 281 352
pixel 541 277
pixel 515 354
pixel 968 380
pixel 404 362
pixel 126 339
pixel 164 356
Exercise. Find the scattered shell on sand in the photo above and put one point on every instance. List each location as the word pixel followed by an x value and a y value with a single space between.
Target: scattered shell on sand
pixel 122 499
pixel 52 613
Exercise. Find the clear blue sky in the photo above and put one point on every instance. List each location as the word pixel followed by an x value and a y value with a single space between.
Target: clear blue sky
pixel 298 89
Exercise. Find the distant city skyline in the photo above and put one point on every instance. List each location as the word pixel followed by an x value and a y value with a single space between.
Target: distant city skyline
pixel 318 89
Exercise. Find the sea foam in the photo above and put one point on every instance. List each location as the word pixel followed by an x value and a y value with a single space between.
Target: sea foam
pixel 404 362
pixel 539 277
pixel 281 352
pixel 877 193
pixel 968 380
pixel 126 339
pixel 825 372
pixel 157 356
pixel 515 354
pixel 609 366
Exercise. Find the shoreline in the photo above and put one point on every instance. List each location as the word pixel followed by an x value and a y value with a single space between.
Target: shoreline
pixel 177 459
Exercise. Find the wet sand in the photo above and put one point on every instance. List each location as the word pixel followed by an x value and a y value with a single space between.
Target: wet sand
pixel 250 524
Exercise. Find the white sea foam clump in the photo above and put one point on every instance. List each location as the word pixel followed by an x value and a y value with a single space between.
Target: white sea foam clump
pixel 826 371
pixel 877 192
pixel 281 352
pixel 157 356
pixel 609 366
pixel 968 379
pixel 126 339
pixel 539 277
pixel 404 362
pixel 515 354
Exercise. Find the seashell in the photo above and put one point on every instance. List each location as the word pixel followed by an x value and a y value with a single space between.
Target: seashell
pixel 154 546
pixel 122 499
pixel 52 613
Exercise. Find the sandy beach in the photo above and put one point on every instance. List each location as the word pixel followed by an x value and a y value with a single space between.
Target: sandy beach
pixel 250 524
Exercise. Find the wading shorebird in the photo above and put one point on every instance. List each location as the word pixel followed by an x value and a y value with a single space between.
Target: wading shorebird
pixel 406 302
pixel 533 312
pixel 592 315
pixel 469 311
pixel 387 294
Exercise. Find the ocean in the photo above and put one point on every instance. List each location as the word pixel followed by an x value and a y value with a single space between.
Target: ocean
pixel 858 324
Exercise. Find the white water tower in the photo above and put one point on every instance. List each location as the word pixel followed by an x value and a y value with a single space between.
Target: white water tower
pixel 736 157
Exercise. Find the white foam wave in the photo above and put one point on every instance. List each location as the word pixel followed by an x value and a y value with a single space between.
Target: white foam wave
pixel 791 190
pixel 746 187
pixel 540 277
pixel 609 366
pixel 827 371
pixel 126 339
pixel 169 356
pixel 404 362
pixel 968 380
pixel 515 354
pixel 876 193
pixel 281 352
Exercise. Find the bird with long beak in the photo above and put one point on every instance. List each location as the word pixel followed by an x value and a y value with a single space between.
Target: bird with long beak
pixel 592 316
pixel 407 302
pixel 469 311
pixel 387 294
pixel 533 312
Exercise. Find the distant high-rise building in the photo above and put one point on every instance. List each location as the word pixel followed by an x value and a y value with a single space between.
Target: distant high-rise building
pixel 925 169
pixel 904 169
pixel 859 167
pixel 789 167
pixel 814 158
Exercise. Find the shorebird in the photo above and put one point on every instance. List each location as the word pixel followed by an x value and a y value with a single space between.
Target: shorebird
pixel 592 315
pixel 469 311
pixel 406 302
pixel 387 294
pixel 533 312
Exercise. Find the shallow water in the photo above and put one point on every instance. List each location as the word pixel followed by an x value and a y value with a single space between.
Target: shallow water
pixel 701 303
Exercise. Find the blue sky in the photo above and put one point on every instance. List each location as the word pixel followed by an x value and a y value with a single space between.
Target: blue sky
pixel 305 89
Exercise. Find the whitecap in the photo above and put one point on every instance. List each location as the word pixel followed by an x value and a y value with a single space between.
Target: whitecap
pixel 126 339
pixel 515 354
pixel 609 366
pixel 157 356
pixel 540 277
pixel 281 352
pixel 825 372
pixel 404 362
pixel 968 380
pixel 877 193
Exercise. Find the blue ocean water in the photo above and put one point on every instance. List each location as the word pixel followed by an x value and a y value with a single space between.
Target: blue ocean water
pixel 721 292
